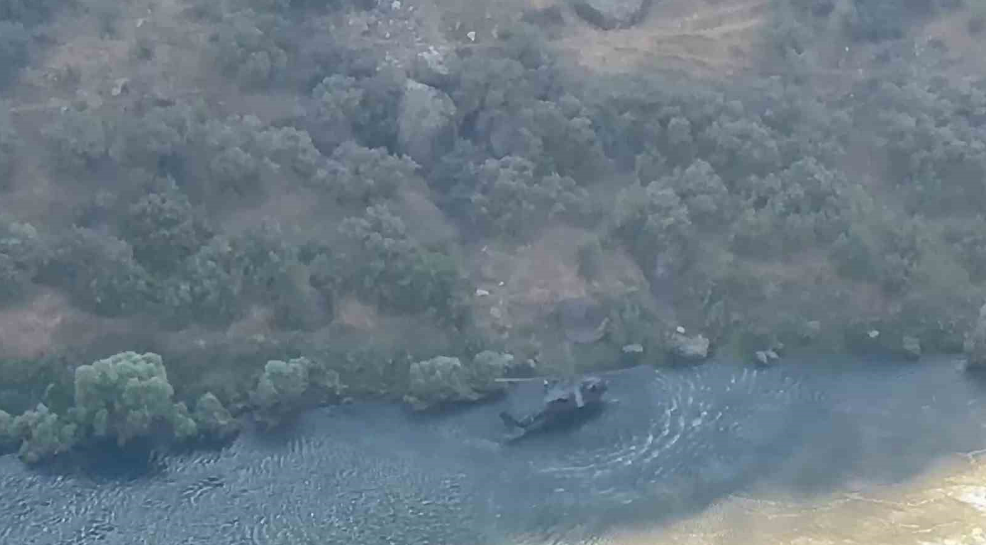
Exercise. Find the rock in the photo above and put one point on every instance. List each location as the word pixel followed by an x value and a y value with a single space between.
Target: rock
pixel 435 67
pixel 975 344
pixel 611 14
pixel 426 123
pixel 694 348
pixel 912 347
pixel 120 86
pixel 632 354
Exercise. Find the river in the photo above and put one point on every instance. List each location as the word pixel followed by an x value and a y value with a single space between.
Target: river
pixel 831 450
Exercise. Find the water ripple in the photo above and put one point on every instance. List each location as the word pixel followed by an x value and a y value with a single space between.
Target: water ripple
pixel 668 443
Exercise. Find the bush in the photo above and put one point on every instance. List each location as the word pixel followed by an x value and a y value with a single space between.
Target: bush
pixel 155 140
pixel 80 140
pixel 206 288
pixel 443 380
pixel 229 273
pixel 123 396
pixel 801 207
pixel 164 230
pixel 234 169
pixel 390 268
pixel 9 142
pixel 934 139
pixel 739 147
pixel 511 199
pixel 567 142
pixel 22 252
pixel 703 193
pixel 336 106
pixel 247 50
pixel 291 149
pixel 98 271
pixel 213 419
pixel 287 387
pixel 363 176
pixel 376 121
pixel 650 221
pixel 884 248
pixel 42 434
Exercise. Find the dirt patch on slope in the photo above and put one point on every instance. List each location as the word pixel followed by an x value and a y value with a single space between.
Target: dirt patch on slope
pixel 702 38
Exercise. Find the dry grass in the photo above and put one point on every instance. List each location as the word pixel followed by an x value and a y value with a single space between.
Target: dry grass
pixel 701 38
pixel 47 322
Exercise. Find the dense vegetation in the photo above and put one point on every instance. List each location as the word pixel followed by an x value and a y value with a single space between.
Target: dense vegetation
pixel 781 210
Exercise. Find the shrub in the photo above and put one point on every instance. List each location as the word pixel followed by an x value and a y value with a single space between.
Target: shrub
pixel 79 139
pixel 650 220
pixel 124 395
pixel 9 143
pixel 98 271
pixel 703 193
pixel 363 176
pixel 42 434
pixel 164 230
pixel 206 287
pixel 287 387
pixel 246 49
pixel 511 199
pixel 389 267
pixel 22 252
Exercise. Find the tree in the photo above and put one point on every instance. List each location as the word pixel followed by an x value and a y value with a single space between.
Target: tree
pixel 164 230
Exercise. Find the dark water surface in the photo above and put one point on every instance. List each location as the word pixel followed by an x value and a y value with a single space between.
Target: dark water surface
pixel 668 443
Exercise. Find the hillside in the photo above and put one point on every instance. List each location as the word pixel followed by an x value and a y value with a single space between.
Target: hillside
pixel 373 184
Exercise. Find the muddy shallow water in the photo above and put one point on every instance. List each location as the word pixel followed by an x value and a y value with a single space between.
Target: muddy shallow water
pixel 674 456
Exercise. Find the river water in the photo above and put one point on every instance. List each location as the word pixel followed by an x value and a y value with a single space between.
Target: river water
pixel 826 451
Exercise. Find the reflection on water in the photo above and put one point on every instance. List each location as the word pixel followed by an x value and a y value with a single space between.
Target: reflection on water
pixel 814 452
pixel 946 506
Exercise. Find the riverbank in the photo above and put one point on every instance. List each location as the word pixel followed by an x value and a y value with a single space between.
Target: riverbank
pixel 945 505
pixel 673 447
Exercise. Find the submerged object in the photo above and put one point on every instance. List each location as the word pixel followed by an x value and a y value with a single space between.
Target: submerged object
pixel 564 402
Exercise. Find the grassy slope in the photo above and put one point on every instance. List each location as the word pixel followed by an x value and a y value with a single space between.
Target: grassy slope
pixel 715 40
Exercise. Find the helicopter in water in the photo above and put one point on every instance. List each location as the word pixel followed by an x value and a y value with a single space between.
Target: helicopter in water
pixel 565 401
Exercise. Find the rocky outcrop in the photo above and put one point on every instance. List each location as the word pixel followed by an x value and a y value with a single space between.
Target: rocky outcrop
pixel 426 124
pixel 766 357
pixel 610 14
pixel 435 67
pixel 688 348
